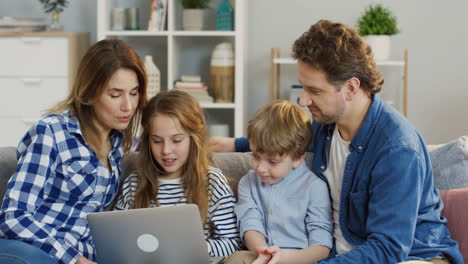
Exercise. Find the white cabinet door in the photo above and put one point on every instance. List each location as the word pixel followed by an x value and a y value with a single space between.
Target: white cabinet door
pixel 34 56
pixel 29 97
pixel 13 130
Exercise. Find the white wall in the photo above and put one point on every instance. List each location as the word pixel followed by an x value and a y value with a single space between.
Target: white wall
pixel 434 32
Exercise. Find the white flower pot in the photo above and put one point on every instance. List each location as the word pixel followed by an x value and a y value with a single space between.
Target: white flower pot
pixel 380 45
pixel 192 19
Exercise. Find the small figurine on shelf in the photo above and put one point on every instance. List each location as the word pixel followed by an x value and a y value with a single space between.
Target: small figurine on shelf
pixel 56 7
pixel 224 16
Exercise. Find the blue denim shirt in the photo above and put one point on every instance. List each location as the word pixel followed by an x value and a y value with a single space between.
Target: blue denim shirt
pixel 389 208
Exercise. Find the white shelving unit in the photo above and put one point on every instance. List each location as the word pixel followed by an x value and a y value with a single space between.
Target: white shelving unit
pixel 177 52
pixel 275 76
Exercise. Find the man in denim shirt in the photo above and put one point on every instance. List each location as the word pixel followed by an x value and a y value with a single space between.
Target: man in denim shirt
pixel 386 208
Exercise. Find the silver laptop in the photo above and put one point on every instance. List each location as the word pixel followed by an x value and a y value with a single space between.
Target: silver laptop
pixel 161 235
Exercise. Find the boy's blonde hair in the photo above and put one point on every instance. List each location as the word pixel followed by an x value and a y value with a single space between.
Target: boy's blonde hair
pixel 280 128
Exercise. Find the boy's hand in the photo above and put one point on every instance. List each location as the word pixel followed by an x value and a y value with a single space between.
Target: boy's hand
pixel 268 255
pixel 221 144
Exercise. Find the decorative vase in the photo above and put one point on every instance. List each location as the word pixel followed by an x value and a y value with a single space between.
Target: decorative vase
pixel 224 16
pixel 192 19
pixel 55 25
pixel 154 77
pixel 222 73
pixel 380 45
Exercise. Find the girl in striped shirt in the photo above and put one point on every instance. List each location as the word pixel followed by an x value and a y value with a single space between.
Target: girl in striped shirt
pixel 174 167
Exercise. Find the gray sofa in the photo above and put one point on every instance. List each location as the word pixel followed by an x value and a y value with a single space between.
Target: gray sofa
pixel 234 166
pixel 449 162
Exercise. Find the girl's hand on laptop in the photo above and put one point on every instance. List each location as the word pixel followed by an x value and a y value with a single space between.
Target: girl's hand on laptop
pixel 83 260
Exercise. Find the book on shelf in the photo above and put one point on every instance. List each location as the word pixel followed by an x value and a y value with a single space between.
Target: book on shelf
pixel 157 19
pixel 204 99
pixel 180 84
pixel 190 78
pixel 200 94
pixel 194 91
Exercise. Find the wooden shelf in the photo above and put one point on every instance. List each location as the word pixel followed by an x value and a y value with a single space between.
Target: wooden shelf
pixel 217 105
pixel 141 33
pixel 288 60
pixel 205 33
pixel 275 73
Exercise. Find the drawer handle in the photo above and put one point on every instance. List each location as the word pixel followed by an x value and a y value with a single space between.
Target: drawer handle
pixel 31 40
pixel 31 81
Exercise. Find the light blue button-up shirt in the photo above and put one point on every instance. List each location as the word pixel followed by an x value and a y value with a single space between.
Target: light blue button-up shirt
pixel 293 213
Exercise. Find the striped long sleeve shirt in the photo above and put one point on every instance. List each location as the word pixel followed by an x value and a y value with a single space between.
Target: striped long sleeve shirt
pixel 58 181
pixel 221 234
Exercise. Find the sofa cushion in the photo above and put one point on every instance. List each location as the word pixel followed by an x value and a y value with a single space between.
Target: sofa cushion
pixel 450 164
pixel 455 205
pixel 234 165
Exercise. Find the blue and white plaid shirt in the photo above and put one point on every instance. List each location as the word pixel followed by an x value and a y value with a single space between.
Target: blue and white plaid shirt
pixel 58 181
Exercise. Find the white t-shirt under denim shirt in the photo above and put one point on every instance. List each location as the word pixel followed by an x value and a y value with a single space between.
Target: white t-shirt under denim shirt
pixel 339 151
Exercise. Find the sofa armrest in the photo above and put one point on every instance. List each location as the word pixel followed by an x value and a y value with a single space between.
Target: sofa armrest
pixel 455 204
pixel 7 167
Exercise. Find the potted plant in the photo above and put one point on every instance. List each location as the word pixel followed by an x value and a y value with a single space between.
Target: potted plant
pixel 376 25
pixel 192 16
pixel 55 7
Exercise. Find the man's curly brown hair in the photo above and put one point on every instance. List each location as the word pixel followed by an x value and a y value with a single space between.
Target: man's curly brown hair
pixel 340 52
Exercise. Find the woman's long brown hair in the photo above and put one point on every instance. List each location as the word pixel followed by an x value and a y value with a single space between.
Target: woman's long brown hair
pixel 96 69
pixel 186 109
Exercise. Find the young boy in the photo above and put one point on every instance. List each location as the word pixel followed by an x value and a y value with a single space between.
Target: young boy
pixel 284 211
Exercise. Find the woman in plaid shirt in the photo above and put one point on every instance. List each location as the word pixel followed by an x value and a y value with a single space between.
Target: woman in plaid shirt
pixel 69 161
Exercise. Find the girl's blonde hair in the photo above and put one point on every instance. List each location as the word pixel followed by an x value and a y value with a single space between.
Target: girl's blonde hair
pixel 187 111
pixel 96 69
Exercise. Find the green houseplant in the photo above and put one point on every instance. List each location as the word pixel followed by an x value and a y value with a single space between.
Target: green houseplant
pixel 55 7
pixel 376 25
pixel 192 16
pixel 195 4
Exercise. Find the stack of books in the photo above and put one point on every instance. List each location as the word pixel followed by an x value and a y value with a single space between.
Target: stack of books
pixel 195 87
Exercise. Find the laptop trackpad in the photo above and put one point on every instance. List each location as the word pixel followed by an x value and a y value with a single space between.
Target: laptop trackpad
pixel 216 260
